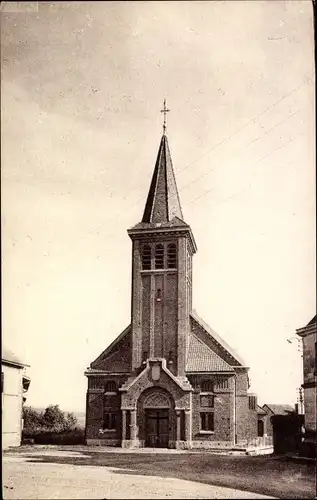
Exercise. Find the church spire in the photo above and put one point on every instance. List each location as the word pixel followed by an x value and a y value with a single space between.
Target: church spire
pixel 162 203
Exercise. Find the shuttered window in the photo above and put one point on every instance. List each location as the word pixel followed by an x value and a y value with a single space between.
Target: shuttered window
pixel 159 256
pixel 146 257
pixel 171 256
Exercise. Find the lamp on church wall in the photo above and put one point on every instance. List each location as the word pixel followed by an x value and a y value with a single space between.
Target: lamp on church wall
pixel 170 358
pixel 145 356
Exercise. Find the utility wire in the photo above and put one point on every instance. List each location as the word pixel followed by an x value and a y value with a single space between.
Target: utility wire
pixel 226 139
pixel 249 186
pixel 259 161
pixel 249 144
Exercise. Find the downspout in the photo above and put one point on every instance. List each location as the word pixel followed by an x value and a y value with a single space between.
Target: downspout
pixel 235 410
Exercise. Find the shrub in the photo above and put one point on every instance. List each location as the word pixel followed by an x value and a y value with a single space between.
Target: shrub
pixel 53 419
pixel 73 437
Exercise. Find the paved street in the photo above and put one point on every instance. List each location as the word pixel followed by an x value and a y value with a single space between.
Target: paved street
pixel 81 472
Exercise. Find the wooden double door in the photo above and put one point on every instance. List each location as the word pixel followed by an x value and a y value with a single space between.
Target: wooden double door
pixel 156 428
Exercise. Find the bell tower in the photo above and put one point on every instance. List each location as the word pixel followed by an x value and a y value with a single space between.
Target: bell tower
pixel 162 249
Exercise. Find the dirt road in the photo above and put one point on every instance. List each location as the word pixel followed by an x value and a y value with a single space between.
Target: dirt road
pixel 26 476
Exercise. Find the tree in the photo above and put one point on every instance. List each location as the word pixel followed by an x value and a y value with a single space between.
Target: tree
pixel 32 420
pixel 70 421
pixel 54 418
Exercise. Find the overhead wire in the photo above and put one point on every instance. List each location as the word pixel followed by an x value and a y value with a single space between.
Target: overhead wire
pixel 225 140
pixel 259 161
pixel 259 137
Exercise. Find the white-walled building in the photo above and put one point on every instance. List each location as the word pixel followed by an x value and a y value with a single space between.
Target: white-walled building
pixel 14 383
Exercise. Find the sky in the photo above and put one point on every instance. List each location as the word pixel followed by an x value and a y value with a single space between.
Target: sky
pixel 82 87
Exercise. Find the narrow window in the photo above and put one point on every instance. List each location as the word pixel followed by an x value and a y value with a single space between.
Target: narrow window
pixel 207 421
pixel 111 386
pixel 252 402
pixel 260 428
pixel 158 295
pixel 171 256
pixel 159 256
pixel 146 257
pixel 109 421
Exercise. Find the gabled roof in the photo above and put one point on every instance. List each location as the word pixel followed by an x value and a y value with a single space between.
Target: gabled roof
pixel 202 359
pixel 8 357
pixel 162 203
pixel 234 356
pixel 279 409
pixel 112 345
pixel 260 410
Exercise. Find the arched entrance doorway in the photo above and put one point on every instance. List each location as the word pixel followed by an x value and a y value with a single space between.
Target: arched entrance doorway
pixel 157 411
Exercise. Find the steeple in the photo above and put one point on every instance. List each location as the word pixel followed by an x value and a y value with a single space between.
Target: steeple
pixel 162 203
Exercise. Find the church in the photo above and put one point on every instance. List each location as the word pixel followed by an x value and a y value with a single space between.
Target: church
pixel 168 380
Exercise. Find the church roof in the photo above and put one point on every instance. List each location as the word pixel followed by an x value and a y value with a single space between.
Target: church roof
pixel 202 359
pixel 162 203
pixel 235 358
pixel 114 345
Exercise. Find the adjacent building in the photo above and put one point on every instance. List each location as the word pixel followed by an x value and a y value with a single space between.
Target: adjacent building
pixel 14 384
pixel 274 409
pixel 168 380
pixel 308 335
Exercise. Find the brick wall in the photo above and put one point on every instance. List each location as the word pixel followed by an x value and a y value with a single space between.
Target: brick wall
pixel 165 321
pixel 145 317
pixel 309 359
pixel 98 403
pixel 170 319
pixel 246 418
pixel 223 412
pixel 310 408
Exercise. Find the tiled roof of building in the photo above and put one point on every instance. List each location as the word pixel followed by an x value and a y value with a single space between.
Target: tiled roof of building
pixel 9 357
pixel 234 355
pixel 162 203
pixel 280 409
pixel 202 359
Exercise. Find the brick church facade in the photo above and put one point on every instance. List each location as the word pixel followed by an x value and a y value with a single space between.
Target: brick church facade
pixel 167 380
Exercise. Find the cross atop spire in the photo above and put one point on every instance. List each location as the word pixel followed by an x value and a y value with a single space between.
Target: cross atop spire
pixel 165 111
